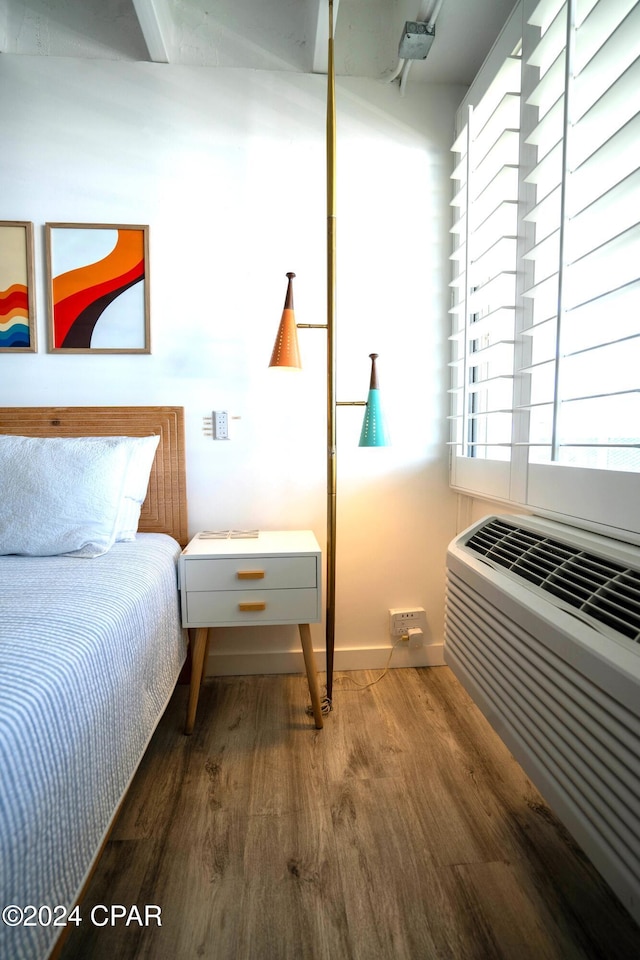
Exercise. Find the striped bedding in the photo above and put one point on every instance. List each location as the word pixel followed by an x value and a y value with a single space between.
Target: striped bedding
pixel 90 651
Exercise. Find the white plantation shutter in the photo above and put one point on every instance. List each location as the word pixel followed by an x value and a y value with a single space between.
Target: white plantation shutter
pixel 459 285
pixel 575 444
pixel 545 73
pixel 585 378
pixel 484 285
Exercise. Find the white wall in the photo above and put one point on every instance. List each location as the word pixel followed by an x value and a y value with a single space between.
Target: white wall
pixel 227 168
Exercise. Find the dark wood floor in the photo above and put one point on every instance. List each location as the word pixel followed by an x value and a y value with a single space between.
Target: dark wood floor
pixel 402 831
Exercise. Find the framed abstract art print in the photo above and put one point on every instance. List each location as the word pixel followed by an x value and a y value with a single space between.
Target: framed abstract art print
pixel 17 288
pixel 98 288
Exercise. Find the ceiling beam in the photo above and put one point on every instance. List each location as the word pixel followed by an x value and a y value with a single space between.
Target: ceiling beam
pixel 155 22
pixel 319 32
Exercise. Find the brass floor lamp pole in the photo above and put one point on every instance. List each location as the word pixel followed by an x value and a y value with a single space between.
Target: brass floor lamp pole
pixel 286 354
pixel 373 432
pixel 331 365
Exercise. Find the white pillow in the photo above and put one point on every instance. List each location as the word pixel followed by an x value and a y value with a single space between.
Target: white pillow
pixel 143 450
pixel 64 495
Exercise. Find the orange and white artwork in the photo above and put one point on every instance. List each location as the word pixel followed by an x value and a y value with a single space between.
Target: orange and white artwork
pixel 98 288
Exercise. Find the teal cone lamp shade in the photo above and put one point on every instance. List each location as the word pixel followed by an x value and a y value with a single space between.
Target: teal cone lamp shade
pixel 374 431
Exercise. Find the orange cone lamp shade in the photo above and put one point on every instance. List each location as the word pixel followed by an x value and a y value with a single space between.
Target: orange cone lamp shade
pixel 285 350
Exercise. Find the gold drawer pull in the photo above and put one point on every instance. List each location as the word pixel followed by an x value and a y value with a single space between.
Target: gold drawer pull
pixel 250 574
pixel 249 605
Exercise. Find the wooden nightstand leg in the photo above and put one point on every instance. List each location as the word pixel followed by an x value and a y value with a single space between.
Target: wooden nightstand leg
pixel 198 651
pixel 312 677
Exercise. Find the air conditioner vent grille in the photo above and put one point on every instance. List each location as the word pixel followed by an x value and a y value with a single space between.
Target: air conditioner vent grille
pixel 601 589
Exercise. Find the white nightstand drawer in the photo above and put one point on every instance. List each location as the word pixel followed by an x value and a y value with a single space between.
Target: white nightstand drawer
pixel 238 573
pixel 225 608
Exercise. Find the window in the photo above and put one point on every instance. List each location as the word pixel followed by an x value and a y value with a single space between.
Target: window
pixel 546 288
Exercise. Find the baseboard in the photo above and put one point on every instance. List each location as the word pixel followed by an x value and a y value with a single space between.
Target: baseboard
pixel 254 662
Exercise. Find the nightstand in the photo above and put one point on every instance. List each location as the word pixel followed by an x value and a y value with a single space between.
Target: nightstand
pixel 273 578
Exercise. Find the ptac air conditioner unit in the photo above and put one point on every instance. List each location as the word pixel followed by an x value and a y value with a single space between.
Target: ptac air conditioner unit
pixel 543 631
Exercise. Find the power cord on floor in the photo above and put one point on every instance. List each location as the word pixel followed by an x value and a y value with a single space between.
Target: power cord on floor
pixel 363 686
pixel 327 704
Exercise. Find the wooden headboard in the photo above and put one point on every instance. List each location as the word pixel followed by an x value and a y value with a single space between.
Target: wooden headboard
pixel 165 508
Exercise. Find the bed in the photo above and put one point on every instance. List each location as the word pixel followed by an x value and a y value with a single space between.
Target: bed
pixel 91 648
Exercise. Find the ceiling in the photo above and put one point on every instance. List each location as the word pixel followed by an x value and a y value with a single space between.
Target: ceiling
pixel 261 34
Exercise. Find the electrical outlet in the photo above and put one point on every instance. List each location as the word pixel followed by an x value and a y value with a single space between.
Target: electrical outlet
pixel 401 619
pixel 220 421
